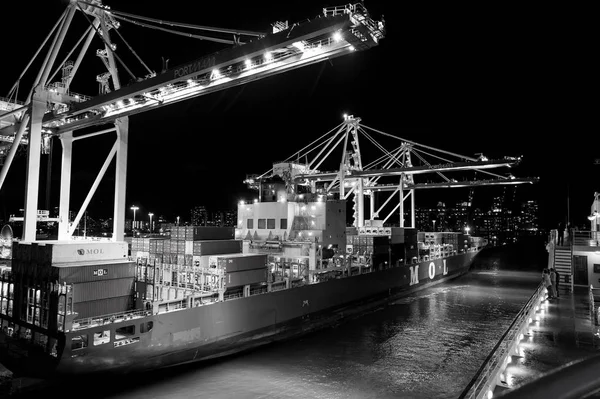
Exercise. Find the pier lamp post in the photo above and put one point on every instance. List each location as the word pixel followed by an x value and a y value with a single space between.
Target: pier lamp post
pixel 467 229
pixel 177 220
pixel 433 224
pixel 133 208
pixel 150 214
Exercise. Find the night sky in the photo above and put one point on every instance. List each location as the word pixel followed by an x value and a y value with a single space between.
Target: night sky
pixel 467 81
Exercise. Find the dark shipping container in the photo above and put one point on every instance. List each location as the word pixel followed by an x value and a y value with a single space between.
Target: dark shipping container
pixel 102 307
pixel 241 263
pixel 95 290
pixel 246 277
pixel 217 247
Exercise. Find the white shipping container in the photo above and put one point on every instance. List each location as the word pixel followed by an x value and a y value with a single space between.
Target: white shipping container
pixel 201 260
pixel 76 251
pixel 189 247
pixel 167 277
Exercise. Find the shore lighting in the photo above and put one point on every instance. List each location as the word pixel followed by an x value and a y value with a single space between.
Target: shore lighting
pixel 467 229
pixel 134 208
pixel 150 215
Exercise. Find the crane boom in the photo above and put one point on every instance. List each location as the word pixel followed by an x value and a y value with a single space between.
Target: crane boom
pixel 455 184
pixel 337 32
pixel 411 170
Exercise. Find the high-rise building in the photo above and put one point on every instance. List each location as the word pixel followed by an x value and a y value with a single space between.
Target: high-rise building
pixel 529 217
pixel 230 218
pixel 217 218
pixel 199 216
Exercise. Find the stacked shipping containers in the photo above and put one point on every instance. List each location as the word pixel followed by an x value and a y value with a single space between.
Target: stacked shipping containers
pixel 242 269
pixel 100 274
pixel 165 265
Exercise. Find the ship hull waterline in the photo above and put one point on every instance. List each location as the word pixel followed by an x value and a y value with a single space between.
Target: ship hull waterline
pixel 225 328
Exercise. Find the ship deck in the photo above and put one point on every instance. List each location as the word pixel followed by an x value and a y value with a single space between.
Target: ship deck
pixel 564 332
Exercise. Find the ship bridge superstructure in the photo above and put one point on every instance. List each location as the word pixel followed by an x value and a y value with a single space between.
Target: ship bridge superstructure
pixel 52 109
pixel 394 175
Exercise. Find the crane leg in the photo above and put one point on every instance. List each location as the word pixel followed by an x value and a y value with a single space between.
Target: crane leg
pixel 122 125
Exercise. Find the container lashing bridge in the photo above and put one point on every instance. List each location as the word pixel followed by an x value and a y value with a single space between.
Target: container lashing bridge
pixel 51 109
pixel 401 165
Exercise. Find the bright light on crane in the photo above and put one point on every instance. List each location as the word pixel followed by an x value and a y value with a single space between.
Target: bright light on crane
pixel 337 36
pixel 268 56
pixel 216 74
pixel 248 64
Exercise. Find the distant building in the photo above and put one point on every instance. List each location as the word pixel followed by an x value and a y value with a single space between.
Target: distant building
pixel 199 216
pixel 529 217
pixel 230 218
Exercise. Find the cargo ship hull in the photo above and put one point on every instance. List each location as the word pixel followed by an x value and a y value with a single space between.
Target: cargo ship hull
pixel 223 328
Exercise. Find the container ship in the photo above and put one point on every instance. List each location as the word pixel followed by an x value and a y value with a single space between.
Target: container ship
pixel 291 267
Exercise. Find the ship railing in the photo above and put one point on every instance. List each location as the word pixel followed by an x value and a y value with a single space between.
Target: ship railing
pixel 109 318
pixel 584 238
pixel 485 380
pixel 278 286
pixel 257 291
pixel 576 379
pixel 234 295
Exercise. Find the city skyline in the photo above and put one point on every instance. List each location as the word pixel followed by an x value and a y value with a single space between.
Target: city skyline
pixel 197 148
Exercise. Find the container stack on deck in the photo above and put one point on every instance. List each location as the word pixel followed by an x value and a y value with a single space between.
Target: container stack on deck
pixel 100 274
pixel 186 262
pixel 385 245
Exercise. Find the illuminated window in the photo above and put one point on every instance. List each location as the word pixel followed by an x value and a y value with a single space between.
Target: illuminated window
pixel 79 342
pixel 124 332
pixel 101 337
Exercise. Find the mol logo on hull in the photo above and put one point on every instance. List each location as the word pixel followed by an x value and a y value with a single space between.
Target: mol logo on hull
pixel 414 272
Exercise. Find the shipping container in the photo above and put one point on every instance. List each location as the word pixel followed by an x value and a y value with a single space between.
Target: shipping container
pixel 92 291
pixel 181 247
pixel 84 272
pixel 167 246
pixel 189 247
pixel 240 262
pixel 217 247
pixel 200 261
pixel 213 233
pixel 156 245
pixel 246 277
pixel 45 252
pixel 102 307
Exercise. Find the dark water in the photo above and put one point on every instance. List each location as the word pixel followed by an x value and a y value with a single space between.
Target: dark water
pixel 428 345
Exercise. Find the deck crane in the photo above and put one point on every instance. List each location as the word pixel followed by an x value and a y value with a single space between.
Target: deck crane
pixel 352 178
pixel 52 110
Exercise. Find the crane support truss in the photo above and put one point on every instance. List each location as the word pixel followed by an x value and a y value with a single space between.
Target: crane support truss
pixel 52 109
pixel 354 179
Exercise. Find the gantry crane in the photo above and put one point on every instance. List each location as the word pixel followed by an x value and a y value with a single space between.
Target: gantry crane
pixel 51 109
pixel 352 178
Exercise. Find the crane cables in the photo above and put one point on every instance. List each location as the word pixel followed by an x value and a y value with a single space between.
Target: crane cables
pixel 135 19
